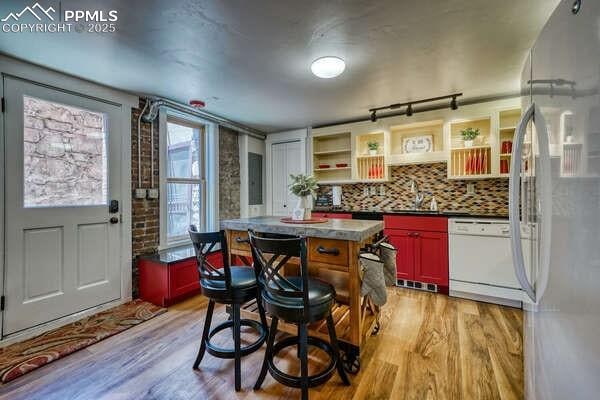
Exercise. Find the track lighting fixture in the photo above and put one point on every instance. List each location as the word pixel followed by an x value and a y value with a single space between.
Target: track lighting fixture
pixel 409 106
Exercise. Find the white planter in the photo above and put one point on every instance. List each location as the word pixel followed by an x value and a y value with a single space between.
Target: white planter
pixel 468 143
pixel 372 152
pixel 303 208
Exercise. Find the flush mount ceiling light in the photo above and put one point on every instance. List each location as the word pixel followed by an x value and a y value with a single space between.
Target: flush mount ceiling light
pixel 328 67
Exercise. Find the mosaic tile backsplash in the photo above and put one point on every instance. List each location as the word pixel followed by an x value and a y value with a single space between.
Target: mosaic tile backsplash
pixel 491 195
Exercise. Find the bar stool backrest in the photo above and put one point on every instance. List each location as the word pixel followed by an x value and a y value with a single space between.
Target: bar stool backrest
pixel 270 256
pixel 204 244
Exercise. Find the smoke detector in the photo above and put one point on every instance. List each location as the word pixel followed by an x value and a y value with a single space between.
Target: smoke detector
pixel 197 103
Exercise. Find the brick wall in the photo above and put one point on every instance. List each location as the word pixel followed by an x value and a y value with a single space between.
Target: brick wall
pixel 229 174
pixel 146 213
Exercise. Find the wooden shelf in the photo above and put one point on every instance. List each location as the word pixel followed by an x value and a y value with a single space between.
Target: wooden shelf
pixel 336 181
pixel 471 148
pixel 331 149
pixel 332 169
pixel 468 177
pixel 323 153
pixel 370 156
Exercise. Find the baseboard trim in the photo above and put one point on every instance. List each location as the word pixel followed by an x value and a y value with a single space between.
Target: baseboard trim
pixel 57 323
pixel 486 299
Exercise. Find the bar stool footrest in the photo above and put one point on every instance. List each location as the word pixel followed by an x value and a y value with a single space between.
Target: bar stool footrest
pixel 296 381
pixel 220 352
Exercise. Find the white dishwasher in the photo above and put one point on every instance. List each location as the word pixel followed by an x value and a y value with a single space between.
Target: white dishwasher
pixel 480 264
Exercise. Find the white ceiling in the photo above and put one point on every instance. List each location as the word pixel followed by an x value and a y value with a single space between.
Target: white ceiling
pixel 250 60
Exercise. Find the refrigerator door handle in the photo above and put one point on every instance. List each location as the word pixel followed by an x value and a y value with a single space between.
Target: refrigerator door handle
pixel 545 203
pixel 513 202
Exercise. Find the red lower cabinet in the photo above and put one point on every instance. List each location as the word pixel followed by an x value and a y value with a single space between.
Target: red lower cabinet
pixel 431 258
pixel 422 244
pixel 405 257
pixel 164 281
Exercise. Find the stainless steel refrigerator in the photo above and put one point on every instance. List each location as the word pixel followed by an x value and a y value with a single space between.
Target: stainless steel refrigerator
pixel 555 196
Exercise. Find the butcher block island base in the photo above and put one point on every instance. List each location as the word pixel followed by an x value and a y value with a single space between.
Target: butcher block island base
pixel 333 248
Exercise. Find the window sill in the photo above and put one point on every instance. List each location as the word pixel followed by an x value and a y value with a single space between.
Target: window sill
pixel 180 243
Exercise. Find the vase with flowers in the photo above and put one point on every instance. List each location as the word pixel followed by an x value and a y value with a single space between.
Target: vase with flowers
pixel 305 188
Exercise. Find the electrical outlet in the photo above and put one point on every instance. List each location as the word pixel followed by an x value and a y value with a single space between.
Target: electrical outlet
pixel 140 193
pixel 153 193
pixel 470 188
pixel 381 190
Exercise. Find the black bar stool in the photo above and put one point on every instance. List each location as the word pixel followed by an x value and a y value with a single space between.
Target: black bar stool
pixel 228 285
pixel 298 300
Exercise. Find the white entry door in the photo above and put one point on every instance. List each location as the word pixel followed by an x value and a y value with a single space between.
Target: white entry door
pixel 63 169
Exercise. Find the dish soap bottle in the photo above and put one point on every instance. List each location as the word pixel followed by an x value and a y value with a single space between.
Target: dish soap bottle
pixel 433 205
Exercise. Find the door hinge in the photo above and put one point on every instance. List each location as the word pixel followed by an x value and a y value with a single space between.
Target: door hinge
pixel 2 300
pixel 3 105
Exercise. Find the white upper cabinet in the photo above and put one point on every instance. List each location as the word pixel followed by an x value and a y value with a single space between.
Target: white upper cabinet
pixel 364 151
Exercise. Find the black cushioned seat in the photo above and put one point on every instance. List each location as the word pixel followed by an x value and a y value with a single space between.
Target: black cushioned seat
pixel 241 278
pixel 321 297
pixel 226 285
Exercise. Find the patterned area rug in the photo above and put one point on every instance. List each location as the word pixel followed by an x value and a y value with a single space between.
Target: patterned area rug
pixel 20 358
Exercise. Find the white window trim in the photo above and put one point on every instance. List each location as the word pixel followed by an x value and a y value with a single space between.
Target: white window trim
pixel 211 173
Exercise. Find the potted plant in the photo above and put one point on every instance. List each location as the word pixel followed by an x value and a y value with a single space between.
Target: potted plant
pixel 373 146
pixel 469 136
pixel 305 187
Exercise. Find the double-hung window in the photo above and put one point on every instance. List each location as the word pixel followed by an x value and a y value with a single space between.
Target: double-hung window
pixel 184 180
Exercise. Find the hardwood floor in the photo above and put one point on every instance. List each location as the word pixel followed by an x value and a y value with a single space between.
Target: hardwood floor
pixel 430 347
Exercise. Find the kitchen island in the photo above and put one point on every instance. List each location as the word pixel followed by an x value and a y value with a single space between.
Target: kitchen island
pixel 333 248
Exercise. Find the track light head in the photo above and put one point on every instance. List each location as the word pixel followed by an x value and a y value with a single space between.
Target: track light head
pixel 373 116
pixel 453 103
pixel 409 111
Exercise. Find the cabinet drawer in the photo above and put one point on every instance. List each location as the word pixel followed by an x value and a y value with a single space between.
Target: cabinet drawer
pixel 332 215
pixel 417 223
pixel 328 251
pixel 239 241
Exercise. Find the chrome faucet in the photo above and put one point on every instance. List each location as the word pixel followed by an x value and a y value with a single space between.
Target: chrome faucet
pixel 414 188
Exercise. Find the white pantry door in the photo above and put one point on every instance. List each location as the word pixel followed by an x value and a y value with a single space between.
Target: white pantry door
pixel 63 168
pixel 286 160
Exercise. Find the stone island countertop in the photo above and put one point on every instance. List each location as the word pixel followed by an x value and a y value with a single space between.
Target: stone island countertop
pixel 343 229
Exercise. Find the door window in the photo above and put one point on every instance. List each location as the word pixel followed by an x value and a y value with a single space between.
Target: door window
pixel 64 156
